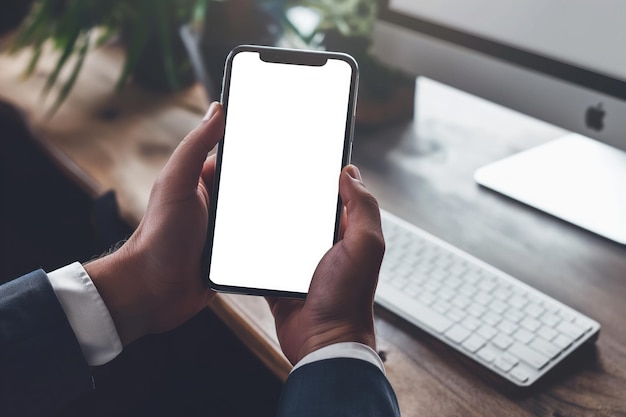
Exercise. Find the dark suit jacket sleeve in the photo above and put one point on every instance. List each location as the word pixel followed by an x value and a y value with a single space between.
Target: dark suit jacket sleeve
pixel 41 364
pixel 338 387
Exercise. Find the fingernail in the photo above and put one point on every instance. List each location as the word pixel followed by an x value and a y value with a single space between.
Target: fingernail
pixel 210 112
pixel 354 172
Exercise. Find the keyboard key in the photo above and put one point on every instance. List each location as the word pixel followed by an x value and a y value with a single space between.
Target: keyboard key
pixel 446 293
pixel 476 310
pixel 523 336
pixel 514 315
pixel 403 272
pixel 507 357
pixel 438 275
pixel 461 301
pixel 507 327
pixel 498 306
pixel 528 355
pixel 472 277
pixel 534 310
pixel 547 333
pixel 411 292
pixel 545 347
pixel 473 343
pixel 563 342
pixel 502 341
pixel 482 298
pixel 423 269
pixel 491 318
pixel 468 290
pixel 427 298
pixel 550 319
pixel 456 315
pixel 457 333
pixel 502 293
pixel 502 365
pixel 471 323
pixel 399 282
pixel 530 324
pixel 518 301
pixel 550 307
pixel 432 286
pixel 520 374
pixel 453 282
pixel 441 306
pixel 583 324
pixel 457 269
pixel 570 330
pixel 425 315
pixel 567 315
pixel 487 285
pixel 505 362
pixel 487 331
pixel 534 298
pixel 486 354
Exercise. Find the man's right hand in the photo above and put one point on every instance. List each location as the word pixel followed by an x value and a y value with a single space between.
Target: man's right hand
pixel 339 306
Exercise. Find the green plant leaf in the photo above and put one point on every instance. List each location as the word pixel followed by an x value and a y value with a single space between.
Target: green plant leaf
pixel 32 64
pixel 69 84
pixel 67 42
pixel 137 42
pixel 34 24
pixel 165 34
pixel 106 35
pixel 67 52
pixel 199 11
pixel 65 23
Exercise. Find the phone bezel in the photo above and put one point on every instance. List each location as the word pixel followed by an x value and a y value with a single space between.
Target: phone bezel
pixel 287 57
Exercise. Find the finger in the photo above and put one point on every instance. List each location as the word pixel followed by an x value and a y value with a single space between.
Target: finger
pixel 282 307
pixel 277 301
pixel 187 161
pixel 208 172
pixel 209 295
pixel 344 222
pixel 271 301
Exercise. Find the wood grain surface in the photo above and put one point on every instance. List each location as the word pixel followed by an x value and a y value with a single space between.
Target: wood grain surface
pixel 421 171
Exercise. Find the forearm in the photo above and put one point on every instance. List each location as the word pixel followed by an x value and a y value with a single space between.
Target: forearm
pixel 340 386
pixel 41 365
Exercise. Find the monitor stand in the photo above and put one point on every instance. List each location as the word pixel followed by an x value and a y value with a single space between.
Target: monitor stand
pixel 574 178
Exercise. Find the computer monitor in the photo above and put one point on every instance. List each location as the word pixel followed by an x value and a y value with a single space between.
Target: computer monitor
pixel 562 61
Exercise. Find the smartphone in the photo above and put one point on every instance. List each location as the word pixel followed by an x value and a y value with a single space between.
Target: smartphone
pixel 275 209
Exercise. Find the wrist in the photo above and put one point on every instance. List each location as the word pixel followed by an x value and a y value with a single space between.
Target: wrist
pixel 336 334
pixel 118 280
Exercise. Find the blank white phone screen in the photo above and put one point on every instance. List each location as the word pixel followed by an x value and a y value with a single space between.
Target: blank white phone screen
pixel 279 184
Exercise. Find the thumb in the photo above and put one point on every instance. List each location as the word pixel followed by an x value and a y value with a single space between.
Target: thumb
pixel 362 212
pixel 185 165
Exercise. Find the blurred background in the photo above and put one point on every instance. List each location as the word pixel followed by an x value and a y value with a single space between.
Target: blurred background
pixel 104 71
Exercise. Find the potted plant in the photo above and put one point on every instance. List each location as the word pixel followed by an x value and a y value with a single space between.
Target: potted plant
pixel 385 95
pixel 228 24
pixel 149 29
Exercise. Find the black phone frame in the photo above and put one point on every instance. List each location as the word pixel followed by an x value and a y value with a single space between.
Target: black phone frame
pixel 290 57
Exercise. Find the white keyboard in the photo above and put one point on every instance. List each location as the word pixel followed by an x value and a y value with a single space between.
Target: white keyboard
pixel 500 322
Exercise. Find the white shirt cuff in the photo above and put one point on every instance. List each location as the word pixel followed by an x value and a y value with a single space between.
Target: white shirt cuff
pixel 87 314
pixel 343 350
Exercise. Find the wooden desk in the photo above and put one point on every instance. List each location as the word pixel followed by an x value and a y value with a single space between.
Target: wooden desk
pixel 420 171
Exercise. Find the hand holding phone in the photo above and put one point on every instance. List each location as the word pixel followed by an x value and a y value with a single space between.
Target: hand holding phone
pixel 276 208
pixel 339 307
